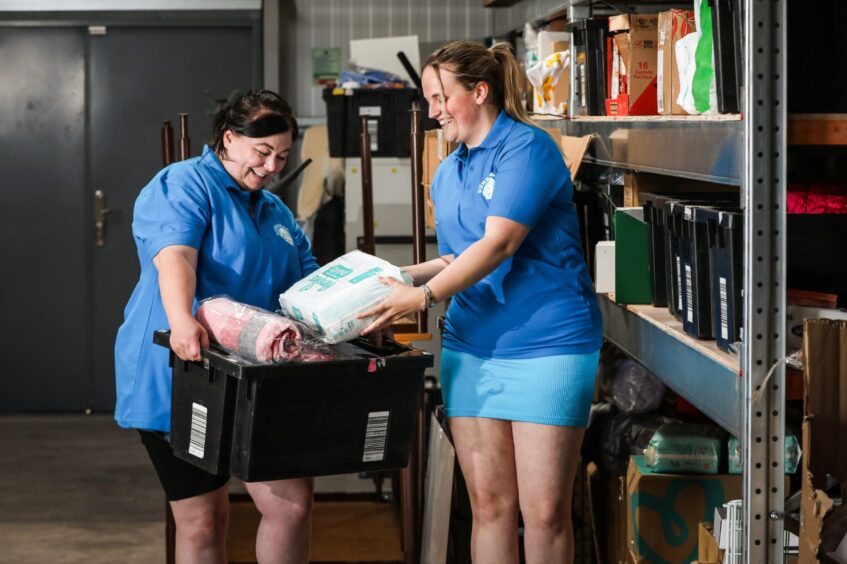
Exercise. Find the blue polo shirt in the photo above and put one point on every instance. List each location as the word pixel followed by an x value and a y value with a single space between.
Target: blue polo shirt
pixel 250 257
pixel 540 301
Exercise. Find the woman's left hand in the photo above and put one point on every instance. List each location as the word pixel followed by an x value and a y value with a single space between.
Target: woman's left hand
pixel 402 301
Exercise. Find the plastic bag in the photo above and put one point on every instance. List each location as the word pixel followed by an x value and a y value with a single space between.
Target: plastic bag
pixel 793 453
pixel 634 389
pixel 695 62
pixel 329 299
pixel 257 335
pixel 623 435
pixel 544 76
pixel 685 448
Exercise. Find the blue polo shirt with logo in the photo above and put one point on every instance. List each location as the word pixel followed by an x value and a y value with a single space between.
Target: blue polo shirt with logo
pixel 539 302
pixel 252 257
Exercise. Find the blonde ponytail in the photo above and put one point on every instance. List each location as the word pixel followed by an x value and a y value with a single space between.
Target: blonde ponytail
pixel 512 101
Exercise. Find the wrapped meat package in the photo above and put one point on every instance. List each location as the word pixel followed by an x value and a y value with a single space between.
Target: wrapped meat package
pixel 253 333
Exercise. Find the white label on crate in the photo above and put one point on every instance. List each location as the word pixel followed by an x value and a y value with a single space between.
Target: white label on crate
pixel 660 76
pixel 689 294
pixel 373 131
pixel 375 435
pixel 724 308
pixel 678 285
pixel 197 440
pixel 370 111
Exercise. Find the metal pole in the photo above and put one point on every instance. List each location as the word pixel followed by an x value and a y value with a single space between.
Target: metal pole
pixel 167 143
pixel 368 243
pixel 416 138
pixel 184 141
pixel 762 363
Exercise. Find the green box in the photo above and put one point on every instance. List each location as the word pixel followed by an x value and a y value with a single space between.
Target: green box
pixel 632 257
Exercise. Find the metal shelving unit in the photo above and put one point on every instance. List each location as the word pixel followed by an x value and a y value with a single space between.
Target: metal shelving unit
pixel 745 394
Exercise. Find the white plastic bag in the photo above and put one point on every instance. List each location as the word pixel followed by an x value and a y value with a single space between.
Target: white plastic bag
pixel 329 299
pixel 698 91
pixel 544 76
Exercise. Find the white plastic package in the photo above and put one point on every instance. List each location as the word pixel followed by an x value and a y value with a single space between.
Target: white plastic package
pixel 329 299
pixel 544 76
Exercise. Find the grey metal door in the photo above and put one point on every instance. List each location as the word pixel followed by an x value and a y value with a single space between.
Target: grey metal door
pixel 44 266
pixel 80 112
pixel 140 76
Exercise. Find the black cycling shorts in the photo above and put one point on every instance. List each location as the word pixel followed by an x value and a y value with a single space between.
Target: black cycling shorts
pixel 179 479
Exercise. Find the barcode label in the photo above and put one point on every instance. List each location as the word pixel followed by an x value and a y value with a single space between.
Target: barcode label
pixel 373 131
pixel 724 309
pixel 689 294
pixel 678 285
pixel 197 441
pixel 375 435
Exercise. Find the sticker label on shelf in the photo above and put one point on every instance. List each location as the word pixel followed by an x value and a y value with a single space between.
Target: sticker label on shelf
pixel 724 308
pixel 197 439
pixel 375 434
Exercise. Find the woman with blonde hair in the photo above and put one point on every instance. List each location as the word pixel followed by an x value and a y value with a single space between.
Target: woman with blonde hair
pixel 523 330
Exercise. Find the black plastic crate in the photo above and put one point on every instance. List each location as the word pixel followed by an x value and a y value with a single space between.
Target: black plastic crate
pixel 726 259
pixel 265 422
pixel 726 39
pixel 389 120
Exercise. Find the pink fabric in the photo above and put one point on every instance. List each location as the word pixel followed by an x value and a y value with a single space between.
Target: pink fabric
pixel 248 331
pixel 817 198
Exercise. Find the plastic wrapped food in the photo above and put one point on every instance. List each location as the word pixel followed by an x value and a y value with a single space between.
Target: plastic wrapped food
pixel 793 452
pixel 329 299
pixel 255 334
pixel 634 389
pixel 685 448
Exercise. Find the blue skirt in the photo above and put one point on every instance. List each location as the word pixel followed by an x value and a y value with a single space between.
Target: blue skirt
pixel 551 390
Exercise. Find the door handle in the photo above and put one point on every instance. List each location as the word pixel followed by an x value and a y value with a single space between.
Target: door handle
pixel 100 214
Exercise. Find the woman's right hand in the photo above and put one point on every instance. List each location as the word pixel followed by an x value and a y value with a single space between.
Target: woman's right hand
pixel 189 338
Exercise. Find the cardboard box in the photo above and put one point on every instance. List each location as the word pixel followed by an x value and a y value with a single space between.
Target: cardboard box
pixel 708 551
pixel 607 493
pixel 654 500
pixel 673 26
pixel 436 149
pixel 824 417
pixel 634 184
pixel 636 39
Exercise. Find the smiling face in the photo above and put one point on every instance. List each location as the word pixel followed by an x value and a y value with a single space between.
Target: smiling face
pixel 253 161
pixel 465 115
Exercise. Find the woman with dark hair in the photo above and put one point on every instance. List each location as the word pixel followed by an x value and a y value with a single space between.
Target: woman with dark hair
pixel 205 226
pixel 523 330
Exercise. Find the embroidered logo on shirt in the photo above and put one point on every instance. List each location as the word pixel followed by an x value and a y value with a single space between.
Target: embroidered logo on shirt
pixel 283 232
pixel 486 187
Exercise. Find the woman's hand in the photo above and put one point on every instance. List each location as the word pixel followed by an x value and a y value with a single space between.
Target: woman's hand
pixel 188 338
pixel 402 301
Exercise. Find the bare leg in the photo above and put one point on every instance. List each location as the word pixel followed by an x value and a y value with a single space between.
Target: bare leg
pixel 487 458
pixel 547 458
pixel 286 526
pixel 201 524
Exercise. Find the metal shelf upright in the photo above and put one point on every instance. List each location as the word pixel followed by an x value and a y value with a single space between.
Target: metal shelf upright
pixel 746 394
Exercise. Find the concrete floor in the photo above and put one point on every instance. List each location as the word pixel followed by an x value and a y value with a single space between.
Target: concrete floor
pixel 78 489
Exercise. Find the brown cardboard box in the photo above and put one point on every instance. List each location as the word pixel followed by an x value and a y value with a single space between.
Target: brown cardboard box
pixel 708 551
pixel 429 207
pixel 653 500
pixel 434 152
pixel 635 184
pixel 636 37
pixel 825 413
pixel 673 26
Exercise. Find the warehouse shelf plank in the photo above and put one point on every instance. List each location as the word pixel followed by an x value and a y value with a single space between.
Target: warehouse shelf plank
pixel 697 370
pixel 708 148
pixel 817 129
